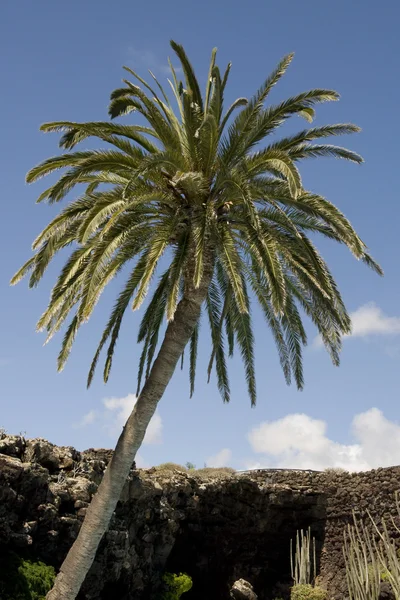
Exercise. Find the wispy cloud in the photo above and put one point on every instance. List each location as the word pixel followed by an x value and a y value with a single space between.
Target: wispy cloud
pixel 87 419
pixel 370 320
pixel 113 415
pixel 221 459
pixel 147 59
pixel 299 441
pixel 140 462
pixel 392 351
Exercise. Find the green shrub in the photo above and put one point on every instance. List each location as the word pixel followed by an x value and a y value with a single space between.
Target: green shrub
pixel 305 591
pixel 175 585
pixel 22 579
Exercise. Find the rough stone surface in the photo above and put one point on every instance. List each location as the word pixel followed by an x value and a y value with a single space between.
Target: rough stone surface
pixel 386 592
pixel 218 529
pixel 242 590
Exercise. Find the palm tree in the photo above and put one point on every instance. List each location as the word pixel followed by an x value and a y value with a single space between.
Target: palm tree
pixel 231 220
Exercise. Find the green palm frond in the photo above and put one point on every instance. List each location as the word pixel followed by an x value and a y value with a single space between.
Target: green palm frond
pixel 209 80
pixel 191 80
pixel 194 342
pixel 108 132
pixel 150 326
pixel 242 327
pixel 115 321
pixel 175 276
pixel 261 292
pixel 214 310
pixel 195 188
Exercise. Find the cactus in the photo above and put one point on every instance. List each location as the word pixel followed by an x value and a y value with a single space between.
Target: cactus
pixel 387 552
pixel 303 563
pixel 363 567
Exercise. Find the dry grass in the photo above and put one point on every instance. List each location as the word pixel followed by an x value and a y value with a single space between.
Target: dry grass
pixel 170 466
pixel 205 473
pixel 212 472
pixel 335 470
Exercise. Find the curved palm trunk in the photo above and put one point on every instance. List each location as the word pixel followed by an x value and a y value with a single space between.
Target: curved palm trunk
pixel 82 553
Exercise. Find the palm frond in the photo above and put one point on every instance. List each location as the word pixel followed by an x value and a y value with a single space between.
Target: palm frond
pixel 191 80
pixel 230 258
pixel 243 331
pixel 194 342
pixel 207 195
pixel 213 305
pixel 209 80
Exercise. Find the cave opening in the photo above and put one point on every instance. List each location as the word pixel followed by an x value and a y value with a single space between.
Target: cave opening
pixel 115 590
pixel 225 541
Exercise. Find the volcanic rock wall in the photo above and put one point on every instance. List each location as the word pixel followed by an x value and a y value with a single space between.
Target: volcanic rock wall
pixel 218 527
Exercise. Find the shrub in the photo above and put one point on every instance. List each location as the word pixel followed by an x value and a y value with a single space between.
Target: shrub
pixel 170 466
pixel 39 577
pixel 176 585
pixel 22 579
pixel 305 591
pixel 335 470
pixel 215 472
pixel 190 466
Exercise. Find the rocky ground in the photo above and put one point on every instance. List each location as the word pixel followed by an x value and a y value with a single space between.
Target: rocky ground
pixel 217 526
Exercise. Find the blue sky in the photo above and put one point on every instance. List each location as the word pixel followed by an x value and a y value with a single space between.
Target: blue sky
pixel 60 61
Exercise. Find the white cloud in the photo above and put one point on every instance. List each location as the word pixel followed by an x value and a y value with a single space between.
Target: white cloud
pixel 121 408
pixel 148 60
pixel 87 419
pixel 368 320
pixel 378 437
pixel 299 441
pixel 221 459
pixel 114 415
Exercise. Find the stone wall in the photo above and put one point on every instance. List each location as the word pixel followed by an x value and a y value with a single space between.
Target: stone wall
pixel 218 528
pixel 345 494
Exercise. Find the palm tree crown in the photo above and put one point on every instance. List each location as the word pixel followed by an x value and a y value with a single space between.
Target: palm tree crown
pixel 197 186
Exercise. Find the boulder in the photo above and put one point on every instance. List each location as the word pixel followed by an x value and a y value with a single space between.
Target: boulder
pixel 243 590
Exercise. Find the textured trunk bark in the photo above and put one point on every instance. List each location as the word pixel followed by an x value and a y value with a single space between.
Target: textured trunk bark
pixel 82 553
